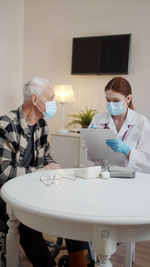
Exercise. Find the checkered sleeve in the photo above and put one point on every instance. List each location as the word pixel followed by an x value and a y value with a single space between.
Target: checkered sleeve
pixel 47 156
pixel 9 167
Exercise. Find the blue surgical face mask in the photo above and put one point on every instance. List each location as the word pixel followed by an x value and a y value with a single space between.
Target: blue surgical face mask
pixel 50 109
pixel 115 108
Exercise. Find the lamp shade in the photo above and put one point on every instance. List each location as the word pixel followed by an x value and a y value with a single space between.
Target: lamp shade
pixel 64 93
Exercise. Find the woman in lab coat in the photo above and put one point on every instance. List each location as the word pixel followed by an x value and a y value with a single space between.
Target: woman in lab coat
pixel 132 129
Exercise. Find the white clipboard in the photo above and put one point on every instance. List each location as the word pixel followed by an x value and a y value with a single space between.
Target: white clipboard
pixel 95 140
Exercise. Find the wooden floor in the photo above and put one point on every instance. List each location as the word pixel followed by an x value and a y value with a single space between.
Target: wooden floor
pixel 142 255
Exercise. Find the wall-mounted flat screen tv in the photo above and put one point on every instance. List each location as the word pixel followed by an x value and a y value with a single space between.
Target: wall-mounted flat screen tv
pixel 101 54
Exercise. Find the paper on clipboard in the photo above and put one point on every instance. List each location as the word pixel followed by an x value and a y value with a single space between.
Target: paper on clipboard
pixel 95 140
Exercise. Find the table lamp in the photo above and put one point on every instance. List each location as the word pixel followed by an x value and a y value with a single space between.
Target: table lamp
pixel 63 94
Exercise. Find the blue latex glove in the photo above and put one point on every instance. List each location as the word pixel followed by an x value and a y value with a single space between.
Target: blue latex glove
pixel 93 126
pixel 118 146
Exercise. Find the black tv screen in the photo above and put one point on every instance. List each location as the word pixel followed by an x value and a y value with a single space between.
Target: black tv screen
pixel 101 54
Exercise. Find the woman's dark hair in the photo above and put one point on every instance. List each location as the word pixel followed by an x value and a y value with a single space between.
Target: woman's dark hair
pixel 122 86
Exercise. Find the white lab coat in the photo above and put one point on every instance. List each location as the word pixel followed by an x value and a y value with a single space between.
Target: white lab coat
pixel 137 137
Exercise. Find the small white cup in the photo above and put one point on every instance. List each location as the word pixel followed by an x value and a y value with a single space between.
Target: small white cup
pixel 105 174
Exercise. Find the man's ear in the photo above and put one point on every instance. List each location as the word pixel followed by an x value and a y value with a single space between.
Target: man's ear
pixel 34 99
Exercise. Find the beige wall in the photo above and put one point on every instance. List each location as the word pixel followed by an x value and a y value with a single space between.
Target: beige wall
pixel 49 26
pixel 11 53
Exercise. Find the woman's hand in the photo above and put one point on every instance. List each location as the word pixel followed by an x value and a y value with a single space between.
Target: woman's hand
pixel 118 146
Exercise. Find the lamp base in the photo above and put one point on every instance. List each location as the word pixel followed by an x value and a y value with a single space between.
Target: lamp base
pixel 62 131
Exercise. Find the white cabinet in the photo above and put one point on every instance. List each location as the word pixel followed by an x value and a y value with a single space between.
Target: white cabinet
pixel 66 149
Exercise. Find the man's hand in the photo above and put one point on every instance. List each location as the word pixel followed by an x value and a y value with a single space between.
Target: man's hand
pixel 52 166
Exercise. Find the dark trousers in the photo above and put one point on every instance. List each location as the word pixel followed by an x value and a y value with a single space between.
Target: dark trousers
pixel 37 251
pixel 35 247
pixel 74 245
pixel 34 244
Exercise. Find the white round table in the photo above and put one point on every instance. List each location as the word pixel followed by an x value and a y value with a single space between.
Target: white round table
pixel 104 211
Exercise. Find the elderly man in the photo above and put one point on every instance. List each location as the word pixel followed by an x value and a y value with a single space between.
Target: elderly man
pixel 24 148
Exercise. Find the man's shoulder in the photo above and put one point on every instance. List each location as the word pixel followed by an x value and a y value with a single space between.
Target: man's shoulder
pixel 9 118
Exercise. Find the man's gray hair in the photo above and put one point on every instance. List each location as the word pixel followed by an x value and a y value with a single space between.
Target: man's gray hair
pixel 33 86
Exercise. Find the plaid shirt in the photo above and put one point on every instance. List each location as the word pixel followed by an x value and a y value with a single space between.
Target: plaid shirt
pixel 14 135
